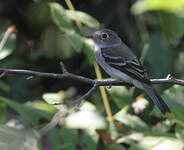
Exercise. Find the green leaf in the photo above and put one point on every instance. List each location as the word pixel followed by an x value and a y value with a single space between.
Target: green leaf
pixel 9 46
pixel 142 6
pixel 27 111
pixel 69 139
pixel 4 87
pixel 11 138
pixel 88 49
pixel 42 106
pixel 157 52
pixel 75 40
pixel 132 121
pixel 174 98
pixel 158 143
pixel 53 98
pixel 162 127
pixel 89 139
pixel 131 137
pixel 178 67
pixel 60 18
pixel 179 131
pixel 121 95
pixel 83 18
pixel 172 26
pixel 114 146
pixel 3 113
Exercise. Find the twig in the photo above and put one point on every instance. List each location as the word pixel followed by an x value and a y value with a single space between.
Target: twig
pixel 169 79
pixel 77 101
pixel 90 91
pixel 58 117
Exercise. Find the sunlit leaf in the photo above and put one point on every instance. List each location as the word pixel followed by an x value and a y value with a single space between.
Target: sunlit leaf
pixel 85 105
pixel 53 98
pixel 132 121
pixel 158 143
pixel 83 18
pixel 60 17
pixel 142 6
pixel 77 120
pixel 43 106
pixel 131 138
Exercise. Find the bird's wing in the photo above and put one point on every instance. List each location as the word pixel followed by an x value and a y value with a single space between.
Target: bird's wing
pixel 130 66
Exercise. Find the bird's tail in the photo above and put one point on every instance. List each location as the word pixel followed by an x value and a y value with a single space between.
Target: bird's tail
pixel 156 98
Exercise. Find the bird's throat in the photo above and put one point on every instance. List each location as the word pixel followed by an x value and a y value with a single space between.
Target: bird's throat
pixel 97 48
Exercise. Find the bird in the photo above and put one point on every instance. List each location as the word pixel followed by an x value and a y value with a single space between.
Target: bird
pixel 117 59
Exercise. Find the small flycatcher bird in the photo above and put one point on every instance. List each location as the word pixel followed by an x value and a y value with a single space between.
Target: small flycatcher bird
pixel 121 63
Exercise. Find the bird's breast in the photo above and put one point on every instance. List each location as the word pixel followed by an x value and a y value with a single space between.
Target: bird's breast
pixel 113 72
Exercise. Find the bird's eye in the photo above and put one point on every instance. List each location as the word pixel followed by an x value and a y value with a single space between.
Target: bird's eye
pixel 105 36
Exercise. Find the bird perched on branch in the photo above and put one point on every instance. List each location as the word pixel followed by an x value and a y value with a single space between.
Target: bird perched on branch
pixel 121 63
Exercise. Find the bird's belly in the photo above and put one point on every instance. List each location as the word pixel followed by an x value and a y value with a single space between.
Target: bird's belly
pixel 118 74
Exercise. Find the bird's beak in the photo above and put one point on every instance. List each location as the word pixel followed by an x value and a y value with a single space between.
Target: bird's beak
pixel 91 36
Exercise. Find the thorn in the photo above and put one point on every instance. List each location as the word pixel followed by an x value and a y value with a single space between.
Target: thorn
pixel 109 86
pixel 168 76
pixel 30 77
pixel 63 67
pixel 2 74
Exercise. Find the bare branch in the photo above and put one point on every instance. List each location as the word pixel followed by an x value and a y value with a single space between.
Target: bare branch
pixel 65 74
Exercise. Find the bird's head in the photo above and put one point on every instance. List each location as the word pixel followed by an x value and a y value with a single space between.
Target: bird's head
pixel 105 38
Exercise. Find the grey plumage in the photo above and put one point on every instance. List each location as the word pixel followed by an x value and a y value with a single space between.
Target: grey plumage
pixel 121 63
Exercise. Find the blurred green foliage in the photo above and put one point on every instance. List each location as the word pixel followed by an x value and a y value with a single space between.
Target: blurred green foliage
pixel 47 33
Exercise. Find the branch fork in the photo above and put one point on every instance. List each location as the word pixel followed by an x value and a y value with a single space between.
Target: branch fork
pixel 94 83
